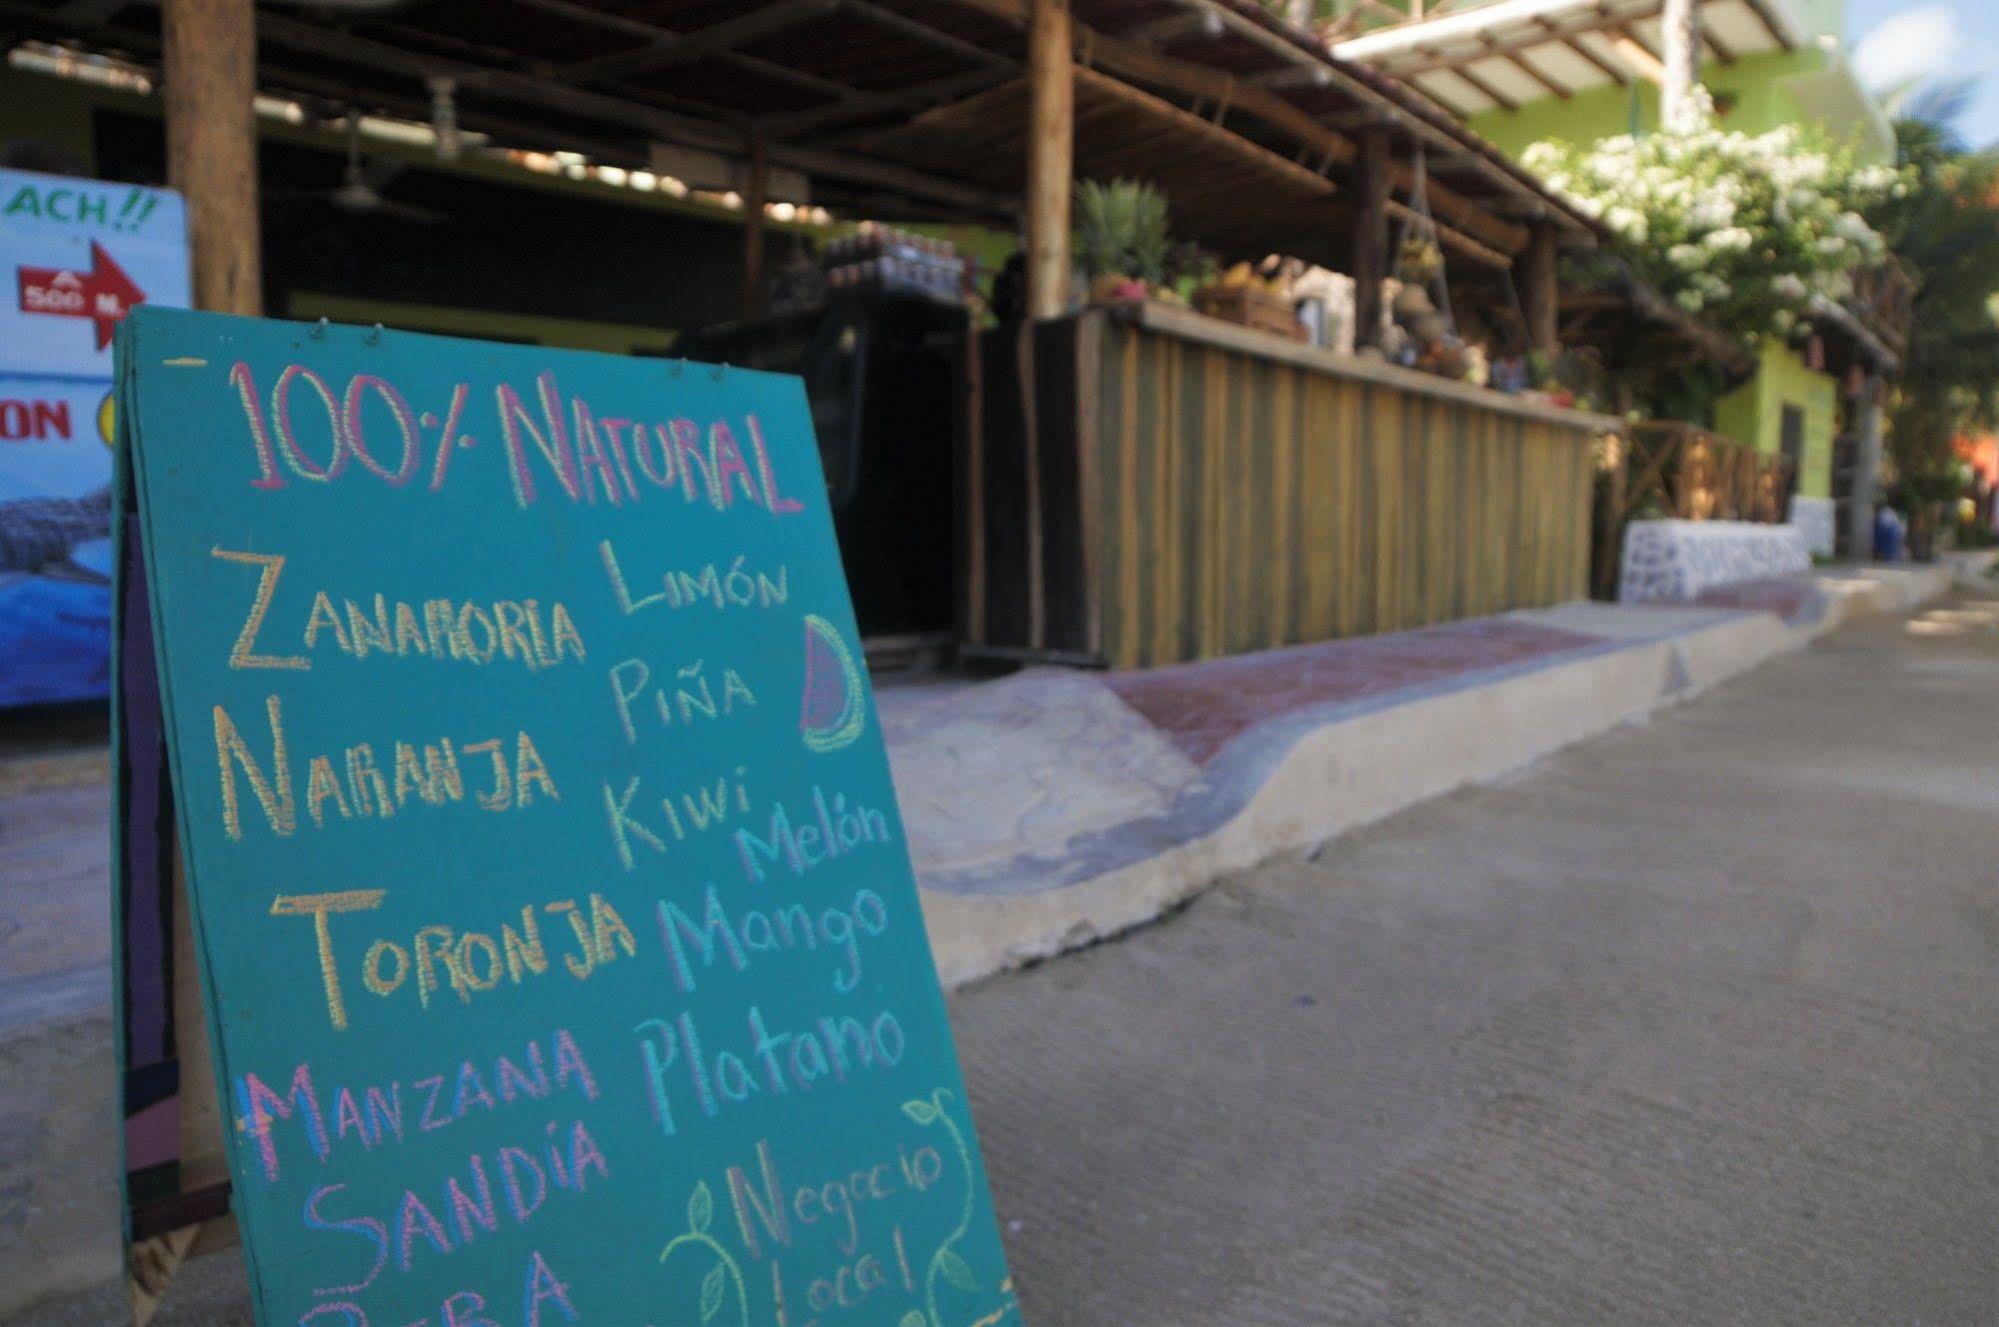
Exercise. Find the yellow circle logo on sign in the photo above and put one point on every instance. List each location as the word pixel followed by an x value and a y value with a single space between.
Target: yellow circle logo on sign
pixel 104 420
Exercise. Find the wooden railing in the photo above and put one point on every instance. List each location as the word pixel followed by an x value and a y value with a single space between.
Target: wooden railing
pixel 1668 469
pixel 1882 299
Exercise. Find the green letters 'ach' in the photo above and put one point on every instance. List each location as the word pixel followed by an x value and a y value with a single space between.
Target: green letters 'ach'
pixel 561 952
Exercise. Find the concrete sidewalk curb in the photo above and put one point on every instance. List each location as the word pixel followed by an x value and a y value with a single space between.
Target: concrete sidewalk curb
pixel 1359 770
pixel 57 769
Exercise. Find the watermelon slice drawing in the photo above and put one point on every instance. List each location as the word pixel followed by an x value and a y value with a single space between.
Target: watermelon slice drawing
pixel 835 705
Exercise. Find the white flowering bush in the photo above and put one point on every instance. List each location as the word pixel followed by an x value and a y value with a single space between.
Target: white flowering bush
pixel 1742 228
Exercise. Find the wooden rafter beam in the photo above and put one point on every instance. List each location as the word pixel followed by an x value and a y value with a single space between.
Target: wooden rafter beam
pixel 1436 61
pixel 1461 69
pixel 1487 88
pixel 87 12
pixel 853 104
pixel 1721 50
pixel 934 92
pixel 1169 29
pixel 644 122
pixel 926 34
pixel 664 47
pixel 1293 76
pixel 1761 9
pixel 690 131
pixel 1192 125
pixel 1630 47
pixel 987 107
pixel 1573 42
pixel 1433 61
pixel 309 86
pixel 1141 64
pixel 1479 219
pixel 1518 59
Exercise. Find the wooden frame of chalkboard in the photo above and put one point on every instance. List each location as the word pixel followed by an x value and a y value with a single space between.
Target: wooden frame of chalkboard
pixel 173 1175
pixel 514 917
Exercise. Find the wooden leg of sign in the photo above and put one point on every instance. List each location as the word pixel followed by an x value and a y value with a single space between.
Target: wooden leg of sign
pixel 202 1159
pixel 209 61
pixel 151 1264
pixel 1051 146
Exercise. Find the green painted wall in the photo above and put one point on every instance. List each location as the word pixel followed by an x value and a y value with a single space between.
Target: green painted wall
pixel 1754 413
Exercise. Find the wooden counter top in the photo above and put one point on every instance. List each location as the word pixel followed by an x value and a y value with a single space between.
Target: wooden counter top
pixel 1172 320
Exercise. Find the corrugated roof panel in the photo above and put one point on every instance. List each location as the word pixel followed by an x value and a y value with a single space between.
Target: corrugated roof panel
pixel 1508 77
pixel 1560 63
pixel 1605 49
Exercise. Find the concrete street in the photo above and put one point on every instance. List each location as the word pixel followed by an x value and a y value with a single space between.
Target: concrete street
pixel 1689 1024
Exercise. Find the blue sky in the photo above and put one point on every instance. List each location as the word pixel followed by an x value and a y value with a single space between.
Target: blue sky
pixel 1895 40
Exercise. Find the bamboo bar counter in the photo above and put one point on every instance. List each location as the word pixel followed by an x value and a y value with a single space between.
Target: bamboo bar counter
pixel 1144 485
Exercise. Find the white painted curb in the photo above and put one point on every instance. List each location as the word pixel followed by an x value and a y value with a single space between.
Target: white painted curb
pixel 1360 770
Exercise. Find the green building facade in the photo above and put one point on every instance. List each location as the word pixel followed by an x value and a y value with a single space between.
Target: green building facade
pixel 1786 405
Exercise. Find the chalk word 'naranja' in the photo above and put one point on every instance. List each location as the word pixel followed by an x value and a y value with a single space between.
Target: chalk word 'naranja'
pixel 354 786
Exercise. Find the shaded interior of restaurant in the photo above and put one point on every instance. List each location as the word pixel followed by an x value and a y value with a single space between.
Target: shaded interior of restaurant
pixel 911 113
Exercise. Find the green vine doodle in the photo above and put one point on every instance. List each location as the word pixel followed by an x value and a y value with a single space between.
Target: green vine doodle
pixel 715 1285
pixel 946 1261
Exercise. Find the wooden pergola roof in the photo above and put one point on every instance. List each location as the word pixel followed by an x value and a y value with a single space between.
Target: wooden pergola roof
pixel 899 107
pixel 1502 56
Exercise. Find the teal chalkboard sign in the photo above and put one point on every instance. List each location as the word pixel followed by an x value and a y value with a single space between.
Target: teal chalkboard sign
pixel 560 949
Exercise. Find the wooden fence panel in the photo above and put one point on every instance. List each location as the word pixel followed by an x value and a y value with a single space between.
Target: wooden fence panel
pixel 1241 499
pixel 1670 469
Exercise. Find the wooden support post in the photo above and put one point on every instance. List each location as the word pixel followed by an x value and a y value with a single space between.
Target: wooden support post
pixel 754 190
pixel 1051 146
pixel 1370 235
pixel 1866 470
pixel 1679 29
pixel 209 56
pixel 1540 294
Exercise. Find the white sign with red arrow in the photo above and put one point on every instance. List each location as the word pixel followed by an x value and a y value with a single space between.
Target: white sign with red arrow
pixel 104 294
pixel 86 253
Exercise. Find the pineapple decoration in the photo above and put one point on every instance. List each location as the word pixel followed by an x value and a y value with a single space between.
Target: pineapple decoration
pixel 1120 240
